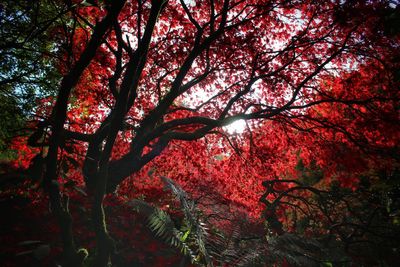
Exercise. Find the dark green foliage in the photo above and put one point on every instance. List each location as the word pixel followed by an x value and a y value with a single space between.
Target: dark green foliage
pixel 28 52
pixel 300 251
pixel 239 250
pixel 12 120
pixel 309 175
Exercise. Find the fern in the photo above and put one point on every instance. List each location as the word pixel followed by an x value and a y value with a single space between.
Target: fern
pixel 190 239
pixel 161 224
pixel 197 227
pixel 294 249
pixel 224 248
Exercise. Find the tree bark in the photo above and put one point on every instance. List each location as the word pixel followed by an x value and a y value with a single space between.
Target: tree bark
pixel 59 205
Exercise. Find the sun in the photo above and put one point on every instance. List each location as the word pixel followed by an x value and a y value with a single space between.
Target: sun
pixel 236 127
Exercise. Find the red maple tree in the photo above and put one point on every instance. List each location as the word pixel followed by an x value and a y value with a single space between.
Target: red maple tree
pixel 312 81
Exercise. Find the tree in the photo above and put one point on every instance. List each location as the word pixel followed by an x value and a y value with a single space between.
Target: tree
pixel 142 76
pixel 30 51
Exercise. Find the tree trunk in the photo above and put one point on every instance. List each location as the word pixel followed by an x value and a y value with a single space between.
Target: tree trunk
pixel 105 244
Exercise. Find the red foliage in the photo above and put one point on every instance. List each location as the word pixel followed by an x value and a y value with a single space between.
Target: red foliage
pixel 315 83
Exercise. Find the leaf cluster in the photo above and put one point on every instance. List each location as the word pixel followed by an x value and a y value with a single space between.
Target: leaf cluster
pixel 29 51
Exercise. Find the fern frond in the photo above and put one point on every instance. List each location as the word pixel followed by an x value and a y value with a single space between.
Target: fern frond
pixel 191 238
pixel 187 205
pixel 300 251
pixel 161 224
pixel 198 229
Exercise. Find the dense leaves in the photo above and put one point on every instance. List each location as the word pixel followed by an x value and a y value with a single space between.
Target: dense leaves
pixel 30 50
pixel 152 89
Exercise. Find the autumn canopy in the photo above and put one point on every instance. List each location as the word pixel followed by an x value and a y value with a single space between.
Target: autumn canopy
pixel 205 132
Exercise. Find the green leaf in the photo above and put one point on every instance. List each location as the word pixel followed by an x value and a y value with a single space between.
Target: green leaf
pixel 185 236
